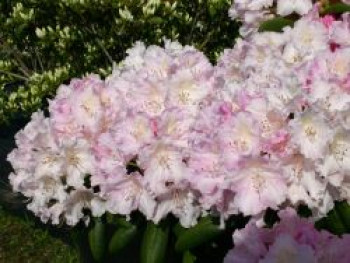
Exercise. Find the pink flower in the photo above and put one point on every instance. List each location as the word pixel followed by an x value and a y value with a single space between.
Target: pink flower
pixel 293 239
pixel 132 133
pixel 127 195
pixel 258 186
pixel 163 167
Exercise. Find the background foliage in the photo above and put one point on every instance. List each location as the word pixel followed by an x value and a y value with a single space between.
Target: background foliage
pixel 21 241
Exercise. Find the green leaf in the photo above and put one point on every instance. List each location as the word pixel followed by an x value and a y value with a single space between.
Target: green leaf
pixel 178 229
pixel 97 240
pixel 334 223
pixel 154 243
pixel 275 24
pixel 117 220
pixel 203 232
pixel 343 210
pixel 337 8
pixel 156 20
pixel 188 257
pixel 121 238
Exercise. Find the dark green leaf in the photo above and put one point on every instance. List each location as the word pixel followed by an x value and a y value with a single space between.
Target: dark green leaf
pixel 337 8
pixel 121 238
pixel 154 243
pixel 97 240
pixel 156 20
pixel 203 232
pixel 343 210
pixel 188 257
pixel 118 220
pixel 334 223
pixel 178 229
pixel 275 24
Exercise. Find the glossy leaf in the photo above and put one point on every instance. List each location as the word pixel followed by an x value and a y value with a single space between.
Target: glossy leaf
pixel 121 238
pixel 334 223
pixel 337 8
pixel 154 243
pixel 97 240
pixel 188 257
pixel 203 232
pixel 118 220
pixel 343 210
pixel 275 24
pixel 178 229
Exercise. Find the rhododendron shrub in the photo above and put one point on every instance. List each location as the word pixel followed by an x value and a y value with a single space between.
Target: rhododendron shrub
pixel 293 239
pixel 169 133
pixel 267 127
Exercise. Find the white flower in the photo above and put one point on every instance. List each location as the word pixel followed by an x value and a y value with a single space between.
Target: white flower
pixel 329 96
pixel 339 63
pixel 258 187
pixel 79 162
pixel 164 167
pixel 312 134
pixel 49 163
pixel 135 58
pixel 151 99
pixel 287 7
pixel 304 186
pixel 258 4
pixel 240 136
pixel 77 201
pixel 181 204
pixel 308 38
pixel 185 92
pixel 337 160
pixel 128 195
pixel 87 108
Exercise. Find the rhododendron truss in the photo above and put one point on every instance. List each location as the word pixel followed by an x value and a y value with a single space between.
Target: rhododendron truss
pixel 143 113
pixel 292 89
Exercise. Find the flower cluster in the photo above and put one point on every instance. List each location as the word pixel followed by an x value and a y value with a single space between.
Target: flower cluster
pixel 117 145
pixel 293 239
pixel 277 127
pixel 167 132
pixel 253 12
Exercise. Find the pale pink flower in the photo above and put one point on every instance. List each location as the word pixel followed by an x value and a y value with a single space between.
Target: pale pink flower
pixel 164 168
pixel 293 239
pixel 312 134
pixel 258 186
pixel 181 203
pixel 127 195
pixel 287 7
pixel 132 133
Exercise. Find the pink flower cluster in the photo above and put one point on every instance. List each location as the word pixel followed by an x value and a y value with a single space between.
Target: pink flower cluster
pixel 169 133
pixel 293 239
pixel 278 122
pixel 78 158
pixel 253 12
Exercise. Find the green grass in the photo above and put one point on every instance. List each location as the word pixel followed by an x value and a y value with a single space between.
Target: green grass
pixel 22 241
